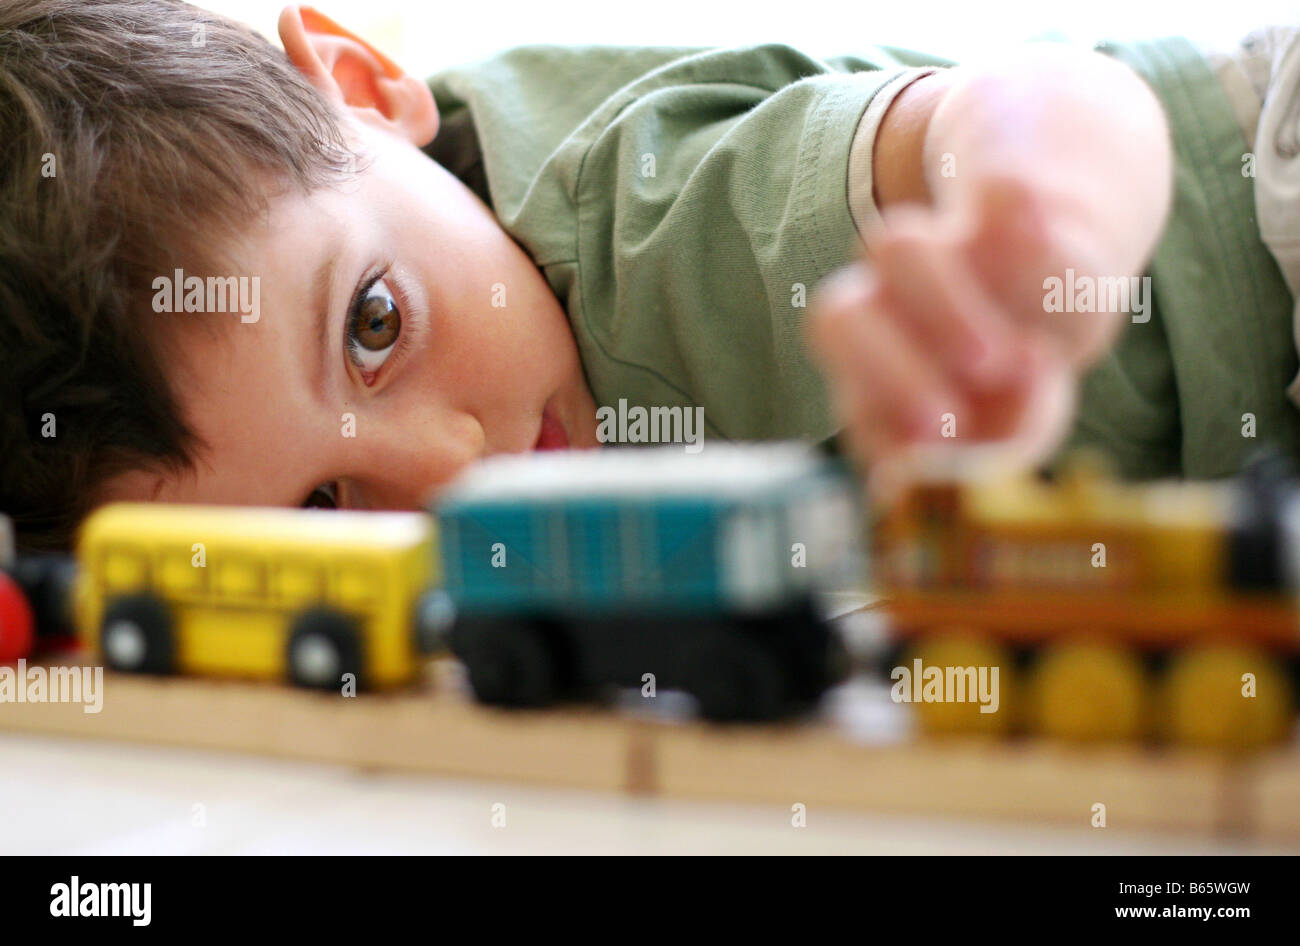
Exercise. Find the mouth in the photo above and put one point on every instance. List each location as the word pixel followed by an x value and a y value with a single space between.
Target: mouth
pixel 552 435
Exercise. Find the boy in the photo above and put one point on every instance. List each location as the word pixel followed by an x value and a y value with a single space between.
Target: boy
pixel 656 219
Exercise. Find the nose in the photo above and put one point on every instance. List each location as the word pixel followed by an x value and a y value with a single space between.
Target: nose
pixel 403 466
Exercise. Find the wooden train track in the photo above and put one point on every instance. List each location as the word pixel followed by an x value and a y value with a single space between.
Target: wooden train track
pixel 438 730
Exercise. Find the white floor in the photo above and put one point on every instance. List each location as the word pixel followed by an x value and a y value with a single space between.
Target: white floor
pixel 70 797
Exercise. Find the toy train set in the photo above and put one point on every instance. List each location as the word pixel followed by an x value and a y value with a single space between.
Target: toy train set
pixel 1162 611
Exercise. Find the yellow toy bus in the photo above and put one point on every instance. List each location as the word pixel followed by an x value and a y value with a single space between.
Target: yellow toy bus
pixel 311 595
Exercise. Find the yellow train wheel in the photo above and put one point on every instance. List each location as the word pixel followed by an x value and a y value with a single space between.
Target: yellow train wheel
pixel 1226 697
pixel 1087 692
pixel 957 683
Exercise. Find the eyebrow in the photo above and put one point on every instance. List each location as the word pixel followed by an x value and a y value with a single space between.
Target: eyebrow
pixel 322 281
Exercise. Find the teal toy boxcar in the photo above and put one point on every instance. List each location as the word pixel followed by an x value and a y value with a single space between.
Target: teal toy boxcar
pixel 569 572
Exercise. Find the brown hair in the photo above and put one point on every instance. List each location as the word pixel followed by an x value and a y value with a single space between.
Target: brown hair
pixel 130 131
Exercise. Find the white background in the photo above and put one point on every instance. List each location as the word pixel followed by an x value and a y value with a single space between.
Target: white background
pixel 424 35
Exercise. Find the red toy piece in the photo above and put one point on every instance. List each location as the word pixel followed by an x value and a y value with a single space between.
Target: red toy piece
pixel 17 623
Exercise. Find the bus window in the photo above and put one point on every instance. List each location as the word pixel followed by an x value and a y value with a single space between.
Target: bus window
pixel 239 578
pixel 124 569
pixel 296 582
pixel 358 581
pixel 177 573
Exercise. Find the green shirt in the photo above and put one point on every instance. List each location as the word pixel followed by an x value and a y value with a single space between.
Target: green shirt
pixel 682 204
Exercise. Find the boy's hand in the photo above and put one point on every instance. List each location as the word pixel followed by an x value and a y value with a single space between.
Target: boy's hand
pixel 942 333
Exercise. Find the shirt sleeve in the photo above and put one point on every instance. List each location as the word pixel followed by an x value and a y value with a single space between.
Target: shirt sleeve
pixel 862 200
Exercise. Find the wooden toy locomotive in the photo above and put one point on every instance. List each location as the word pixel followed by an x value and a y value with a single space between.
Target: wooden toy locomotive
pixel 585 569
pixel 1164 610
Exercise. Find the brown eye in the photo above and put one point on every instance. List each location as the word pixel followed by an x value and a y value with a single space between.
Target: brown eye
pixel 378 323
pixel 373 328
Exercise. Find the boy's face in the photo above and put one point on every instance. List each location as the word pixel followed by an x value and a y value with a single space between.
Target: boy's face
pixel 402 334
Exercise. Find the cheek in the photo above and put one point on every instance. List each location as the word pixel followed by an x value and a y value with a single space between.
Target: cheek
pixel 524 348
pixel 503 326
pixel 534 332
pixel 498 333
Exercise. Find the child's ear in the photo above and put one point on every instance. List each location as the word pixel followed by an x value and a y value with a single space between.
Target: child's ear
pixel 353 75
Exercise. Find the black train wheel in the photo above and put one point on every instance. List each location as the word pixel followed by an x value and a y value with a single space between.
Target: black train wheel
pixel 135 635
pixel 736 679
pixel 509 662
pixel 324 645
pixel 813 653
